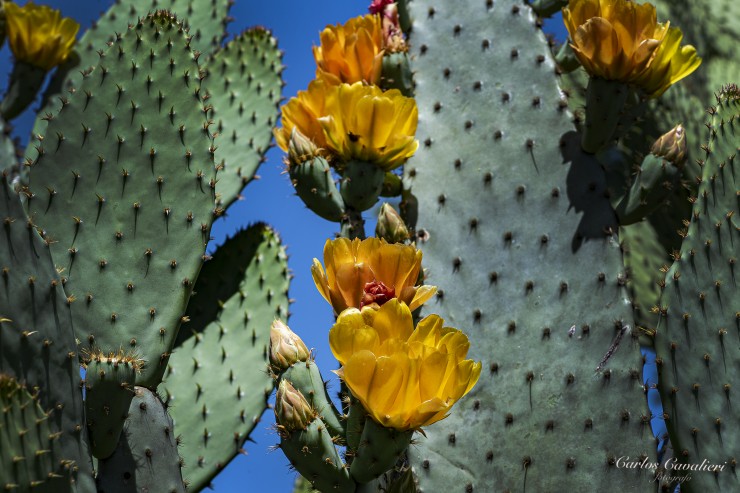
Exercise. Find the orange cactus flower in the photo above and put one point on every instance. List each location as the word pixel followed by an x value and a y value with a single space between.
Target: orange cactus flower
pixel 622 40
pixel 352 52
pixel 369 272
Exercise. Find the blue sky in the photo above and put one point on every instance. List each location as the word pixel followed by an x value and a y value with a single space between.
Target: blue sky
pixel 296 24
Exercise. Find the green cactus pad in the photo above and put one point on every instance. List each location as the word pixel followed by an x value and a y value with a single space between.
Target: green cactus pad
pixel 653 183
pixel 205 20
pixel 28 447
pixel 123 186
pixel 361 184
pixel 697 336
pixel 396 74
pixel 244 85
pixel 37 345
pixel 644 256
pixel 146 457
pixel 109 385
pixel 302 485
pixel 314 184
pixel 217 382
pixel 379 449
pixel 520 237
pixel 8 158
pixel 314 456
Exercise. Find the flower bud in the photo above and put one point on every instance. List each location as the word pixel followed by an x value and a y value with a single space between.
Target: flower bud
pixel 393 41
pixel 286 348
pixel 390 226
pixel 378 6
pixel 671 146
pixel 292 410
pixel 300 148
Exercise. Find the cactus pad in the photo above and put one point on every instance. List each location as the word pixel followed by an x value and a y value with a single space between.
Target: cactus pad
pixel 217 382
pixel 521 238
pixel 37 345
pixel 123 186
pixel 146 457
pixel 697 337
pixel 244 92
pixel 206 21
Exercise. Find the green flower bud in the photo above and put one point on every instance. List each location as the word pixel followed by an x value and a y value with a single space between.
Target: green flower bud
pixel 286 348
pixel 292 410
pixel 671 146
pixel 390 226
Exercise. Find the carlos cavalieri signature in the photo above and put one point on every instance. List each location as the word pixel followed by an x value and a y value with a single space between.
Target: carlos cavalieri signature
pixel 669 466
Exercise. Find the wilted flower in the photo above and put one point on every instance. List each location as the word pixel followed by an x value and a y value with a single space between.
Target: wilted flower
pixel 352 52
pixel 302 112
pixel 371 271
pixel 622 40
pixel 366 124
pixel 404 378
pixel 286 348
pixel 38 35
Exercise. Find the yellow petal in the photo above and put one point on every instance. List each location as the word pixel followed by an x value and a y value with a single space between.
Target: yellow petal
pixel 350 335
pixel 393 321
pixel 320 280
pixel 351 52
pixel 303 112
pixel 364 123
pixel 622 40
pixel 351 266
pixel 421 296
pixel 38 35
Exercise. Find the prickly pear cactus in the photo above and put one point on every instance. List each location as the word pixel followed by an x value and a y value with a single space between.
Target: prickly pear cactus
pixel 217 383
pixel 531 268
pixel 244 88
pixel 129 197
pixel 123 185
pixel 146 458
pixel 30 448
pixel 38 351
pixel 697 337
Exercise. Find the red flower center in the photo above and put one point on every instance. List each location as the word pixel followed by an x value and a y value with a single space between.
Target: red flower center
pixel 377 292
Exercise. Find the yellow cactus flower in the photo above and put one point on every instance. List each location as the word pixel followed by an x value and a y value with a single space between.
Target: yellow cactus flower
pixel 302 112
pixel 671 63
pixel 366 124
pixel 352 52
pixel 38 35
pixel 369 272
pixel 622 40
pixel 404 378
